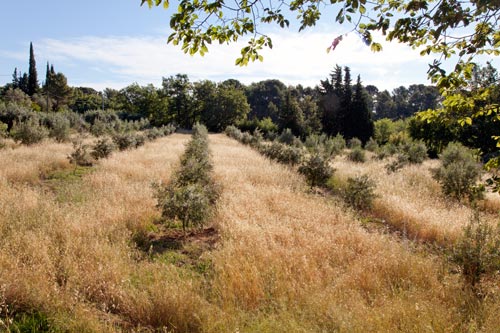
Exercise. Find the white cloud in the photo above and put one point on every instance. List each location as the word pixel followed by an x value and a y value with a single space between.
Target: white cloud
pixel 296 58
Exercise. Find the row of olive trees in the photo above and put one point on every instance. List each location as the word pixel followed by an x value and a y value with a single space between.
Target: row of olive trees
pixel 29 127
pixel 191 195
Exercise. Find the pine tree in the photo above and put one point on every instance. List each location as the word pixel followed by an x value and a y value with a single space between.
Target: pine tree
pixel 33 86
pixel 337 80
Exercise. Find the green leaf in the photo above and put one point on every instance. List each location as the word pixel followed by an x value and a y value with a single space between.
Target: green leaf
pixel 376 47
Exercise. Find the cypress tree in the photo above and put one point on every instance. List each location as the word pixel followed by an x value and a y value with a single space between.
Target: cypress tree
pixel 32 76
pixel 23 83
pixel 360 123
pixel 330 102
pixel 15 79
pixel 345 106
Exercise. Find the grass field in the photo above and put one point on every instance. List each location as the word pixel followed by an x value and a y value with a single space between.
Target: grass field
pixel 81 250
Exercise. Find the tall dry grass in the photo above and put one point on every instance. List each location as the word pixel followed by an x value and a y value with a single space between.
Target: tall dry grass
pixel 288 261
pixel 411 201
pixel 75 261
pixel 293 262
pixel 30 164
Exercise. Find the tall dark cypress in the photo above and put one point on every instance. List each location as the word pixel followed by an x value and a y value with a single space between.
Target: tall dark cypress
pixel 15 79
pixel 360 121
pixel 345 105
pixel 33 86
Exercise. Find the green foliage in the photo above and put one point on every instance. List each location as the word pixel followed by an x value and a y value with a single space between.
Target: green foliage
pixel 357 154
pixel 282 153
pixel 3 130
pixel 266 125
pixel 384 128
pixel 27 322
pixel 189 203
pixel 29 132
pixel 359 192
pixel 371 145
pixel 477 253
pixel 103 148
pixel 324 145
pixel 125 140
pixel 412 152
pixel 459 172
pixel 80 155
pixel 316 169
pixel 58 125
pixel 233 132
pixel 191 195
pixel 288 138
pixel 354 143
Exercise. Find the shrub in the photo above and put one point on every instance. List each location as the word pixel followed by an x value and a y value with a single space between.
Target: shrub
pixel 359 192
pixel 233 132
pixel 3 130
pixel 371 145
pixel 124 140
pixel 328 147
pixel 153 133
pixel 189 203
pixel 416 151
pixel 282 153
pixel 354 143
pixel 139 139
pixel 478 251
pixel 412 152
pixel 29 132
pixel 246 138
pixel 459 172
pixel 383 130
pixel 288 138
pixel 80 155
pixel 59 127
pixel 357 154
pixel 257 138
pixel 100 128
pixel 167 129
pixel 267 126
pixel 399 138
pixel 103 148
pixel 317 170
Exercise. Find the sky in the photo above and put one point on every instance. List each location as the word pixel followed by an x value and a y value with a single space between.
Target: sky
pixel 114 43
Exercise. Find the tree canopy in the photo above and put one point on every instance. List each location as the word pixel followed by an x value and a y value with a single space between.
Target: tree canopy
pixel 441 27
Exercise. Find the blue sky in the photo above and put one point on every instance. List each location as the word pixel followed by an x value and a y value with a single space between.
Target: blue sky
pixel 114 43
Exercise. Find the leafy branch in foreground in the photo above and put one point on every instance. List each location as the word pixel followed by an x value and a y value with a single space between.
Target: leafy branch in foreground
pixel 441 27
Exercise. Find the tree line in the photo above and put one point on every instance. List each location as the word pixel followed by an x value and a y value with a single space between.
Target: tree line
pixel 335 106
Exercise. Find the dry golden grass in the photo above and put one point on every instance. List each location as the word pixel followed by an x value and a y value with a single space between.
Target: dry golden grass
pixel 288 261
pixel 292 262
pixel 411 201
pixel 74 259
pixel 28 164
